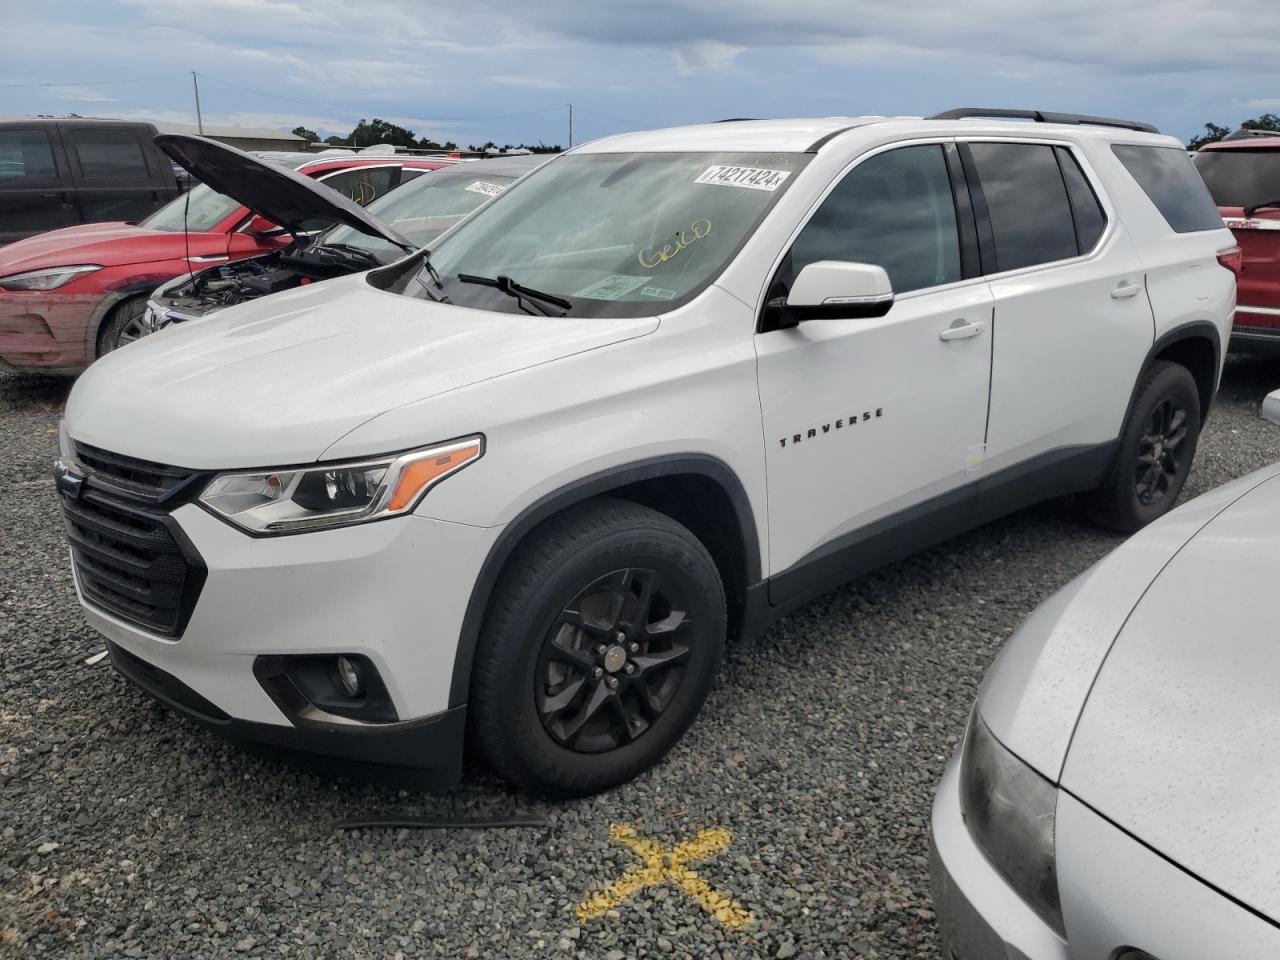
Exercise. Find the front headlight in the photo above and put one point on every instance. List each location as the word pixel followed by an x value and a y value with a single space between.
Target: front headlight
pixel 1010 810
pixel 332 495
pixel 49 279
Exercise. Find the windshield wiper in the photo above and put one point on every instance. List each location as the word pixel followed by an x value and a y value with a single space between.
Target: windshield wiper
pixel 1251 210
pixel 520 292
pixel 342 251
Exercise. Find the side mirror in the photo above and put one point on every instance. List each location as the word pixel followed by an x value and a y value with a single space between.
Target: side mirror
pixel 834 290
pixel 263 228
pixel 1271 406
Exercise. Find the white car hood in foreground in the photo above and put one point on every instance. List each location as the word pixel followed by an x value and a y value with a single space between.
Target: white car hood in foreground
pixel 277 381
pixel 1179 741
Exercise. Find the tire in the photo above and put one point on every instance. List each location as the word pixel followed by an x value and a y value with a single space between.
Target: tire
pixel 1155 451
pixel 122 325
pixel 550 648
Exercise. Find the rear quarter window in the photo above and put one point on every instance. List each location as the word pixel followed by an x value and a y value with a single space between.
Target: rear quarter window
pixel 1167 176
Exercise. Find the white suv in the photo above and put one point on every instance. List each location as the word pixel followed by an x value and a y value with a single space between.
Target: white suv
pixel 657 393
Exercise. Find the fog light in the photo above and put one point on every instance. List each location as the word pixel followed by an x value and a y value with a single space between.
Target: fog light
pixel 349 678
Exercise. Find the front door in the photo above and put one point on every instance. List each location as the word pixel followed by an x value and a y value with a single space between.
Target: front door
pixel 870 423
pixel 35 186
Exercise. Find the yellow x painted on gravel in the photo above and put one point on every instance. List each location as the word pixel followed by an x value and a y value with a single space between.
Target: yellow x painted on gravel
pixel 662 865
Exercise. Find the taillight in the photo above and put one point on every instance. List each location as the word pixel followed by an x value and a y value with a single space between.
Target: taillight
pixel 1232 259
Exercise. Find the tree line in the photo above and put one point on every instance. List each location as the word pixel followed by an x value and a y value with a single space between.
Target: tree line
pixel 370 132
pixel 1214 132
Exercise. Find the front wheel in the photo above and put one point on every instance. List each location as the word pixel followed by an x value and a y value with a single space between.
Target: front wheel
pixel 1155 450
pixel 601 644
pixel 123 325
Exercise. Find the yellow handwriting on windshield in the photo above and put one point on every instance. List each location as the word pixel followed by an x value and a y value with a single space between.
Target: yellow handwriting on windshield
pixel 651 257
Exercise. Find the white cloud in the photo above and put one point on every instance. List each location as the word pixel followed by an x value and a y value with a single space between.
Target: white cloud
pixel 705 55
pixel 536 83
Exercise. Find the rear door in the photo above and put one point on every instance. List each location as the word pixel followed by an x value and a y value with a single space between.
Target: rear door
pixel 117 176
pixel 1240 178
pixel 35 184
pixel 1072 319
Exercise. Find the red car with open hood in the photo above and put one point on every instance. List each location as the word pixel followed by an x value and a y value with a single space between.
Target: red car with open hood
pixel 71 295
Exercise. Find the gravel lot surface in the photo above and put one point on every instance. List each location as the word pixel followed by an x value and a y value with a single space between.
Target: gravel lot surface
pixel 125 831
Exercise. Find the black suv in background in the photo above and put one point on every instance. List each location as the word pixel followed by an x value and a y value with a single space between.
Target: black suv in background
pixel 58 173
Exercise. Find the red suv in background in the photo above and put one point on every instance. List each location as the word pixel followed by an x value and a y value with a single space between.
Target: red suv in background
pixel 71 295
pixel 1244 177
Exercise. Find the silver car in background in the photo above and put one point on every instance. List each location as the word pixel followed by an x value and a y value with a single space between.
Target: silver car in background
pixel 1117 795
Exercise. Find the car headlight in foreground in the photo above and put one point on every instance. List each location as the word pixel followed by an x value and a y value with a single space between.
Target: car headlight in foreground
pixel 1009 810
pixel 49 279
pixel 296 499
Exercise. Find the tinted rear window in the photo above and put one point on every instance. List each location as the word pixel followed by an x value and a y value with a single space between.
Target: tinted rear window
pixel 26 153
pixel 107 154
pixel 1027 203
pixel 1241 178
pixel 1168 177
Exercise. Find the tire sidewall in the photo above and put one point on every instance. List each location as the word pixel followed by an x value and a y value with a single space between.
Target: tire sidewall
pixel 1175 383
pixel 532 746
pixel 117 318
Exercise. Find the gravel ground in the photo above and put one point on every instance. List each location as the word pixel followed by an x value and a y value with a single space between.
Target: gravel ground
pixel 125 831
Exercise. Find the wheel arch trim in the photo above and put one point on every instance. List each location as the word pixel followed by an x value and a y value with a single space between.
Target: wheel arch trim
pixel 577 491
pixel 1195 330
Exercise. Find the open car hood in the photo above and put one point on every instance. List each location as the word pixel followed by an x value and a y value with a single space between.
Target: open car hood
pixel 283 196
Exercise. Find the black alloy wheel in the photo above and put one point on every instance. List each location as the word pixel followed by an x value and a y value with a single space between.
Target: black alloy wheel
pixel 601 641
pixel 1159 464
pixel 614 660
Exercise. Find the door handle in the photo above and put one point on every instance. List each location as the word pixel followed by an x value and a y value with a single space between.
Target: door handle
pixel 961 330
pixel 1125 290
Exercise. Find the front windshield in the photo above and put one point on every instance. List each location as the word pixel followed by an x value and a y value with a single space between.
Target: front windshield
pixel 615 234
pixel 201 208
pixel 422 210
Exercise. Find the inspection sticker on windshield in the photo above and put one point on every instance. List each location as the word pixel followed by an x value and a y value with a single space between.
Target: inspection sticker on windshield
pixel 751 178
pixel 488 189
pixel 613 287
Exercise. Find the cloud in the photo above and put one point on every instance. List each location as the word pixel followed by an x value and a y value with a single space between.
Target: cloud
pixel 705 55
pixel 80 95
pixel 536 83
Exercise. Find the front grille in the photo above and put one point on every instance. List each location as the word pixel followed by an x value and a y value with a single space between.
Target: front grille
pixel 130 477
pixel 130 558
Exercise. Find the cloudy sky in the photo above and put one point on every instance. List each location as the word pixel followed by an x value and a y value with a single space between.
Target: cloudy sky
pixel 474 70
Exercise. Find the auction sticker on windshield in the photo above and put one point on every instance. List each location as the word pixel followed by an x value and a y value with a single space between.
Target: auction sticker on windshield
pixel 612 287
pixel 488 189
pixel 752 178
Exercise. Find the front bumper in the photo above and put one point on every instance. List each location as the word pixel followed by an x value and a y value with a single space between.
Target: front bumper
pixel 392 591
pixel 979 915
pixel 47 331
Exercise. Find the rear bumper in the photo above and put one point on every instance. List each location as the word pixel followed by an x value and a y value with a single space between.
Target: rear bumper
pixel 426 752
pixel 1255 333
pixel 979 914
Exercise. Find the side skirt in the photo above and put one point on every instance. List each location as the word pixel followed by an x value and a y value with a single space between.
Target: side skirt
pixel 1053 474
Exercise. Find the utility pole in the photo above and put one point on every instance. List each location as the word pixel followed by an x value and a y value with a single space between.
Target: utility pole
pixel 199 119
pixel 570 106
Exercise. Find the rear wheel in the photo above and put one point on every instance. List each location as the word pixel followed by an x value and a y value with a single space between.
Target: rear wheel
pixel 1155 451
pixel 123 325
pixel 602 642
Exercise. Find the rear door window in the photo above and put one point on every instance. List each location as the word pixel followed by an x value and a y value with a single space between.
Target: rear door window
pixel 1167 176
pixel 1086 210
pixel 1241 178
pixel 107 154
pixel 1027 203
pixel 26 155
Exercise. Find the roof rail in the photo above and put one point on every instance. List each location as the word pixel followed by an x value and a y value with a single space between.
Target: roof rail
pixel 1041 116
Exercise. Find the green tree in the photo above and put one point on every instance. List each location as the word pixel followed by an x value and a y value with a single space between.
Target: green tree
pixel 369 132
pixel 1212 134
pixel 308 135
pixel 337 141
